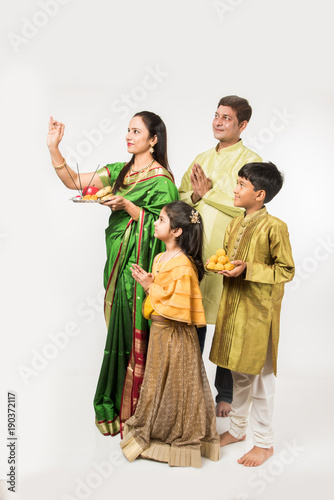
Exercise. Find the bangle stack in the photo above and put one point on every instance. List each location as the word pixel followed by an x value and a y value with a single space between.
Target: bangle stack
pixel 60 166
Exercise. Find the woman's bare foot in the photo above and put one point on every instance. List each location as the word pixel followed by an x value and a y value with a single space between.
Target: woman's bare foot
pixel 223 409
pixel 257 456
pixel 227 438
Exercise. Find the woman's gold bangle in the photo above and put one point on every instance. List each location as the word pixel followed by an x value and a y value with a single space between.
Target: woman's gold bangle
pixel 137 216
pixel 60 166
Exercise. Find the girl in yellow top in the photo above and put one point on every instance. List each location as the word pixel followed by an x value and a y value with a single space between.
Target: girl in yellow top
pixel 174 421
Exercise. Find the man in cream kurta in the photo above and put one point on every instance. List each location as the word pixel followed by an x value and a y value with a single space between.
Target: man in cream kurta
pixel 216 207
pixel 208 186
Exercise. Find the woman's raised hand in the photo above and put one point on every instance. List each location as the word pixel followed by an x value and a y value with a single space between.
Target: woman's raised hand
pixel 56 132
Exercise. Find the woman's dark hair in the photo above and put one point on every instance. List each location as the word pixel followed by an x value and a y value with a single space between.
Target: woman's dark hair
pixel 191 240
pixel 155 126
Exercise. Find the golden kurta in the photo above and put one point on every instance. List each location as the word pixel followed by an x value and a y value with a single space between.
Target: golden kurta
pixel 250 305
pixel 216 208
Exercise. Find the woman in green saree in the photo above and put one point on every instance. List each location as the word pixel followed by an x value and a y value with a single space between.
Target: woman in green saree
pixel 140 188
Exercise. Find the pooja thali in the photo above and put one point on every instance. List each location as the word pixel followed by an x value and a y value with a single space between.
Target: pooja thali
pixel 99 196
pixel 81 199
pixel 90 193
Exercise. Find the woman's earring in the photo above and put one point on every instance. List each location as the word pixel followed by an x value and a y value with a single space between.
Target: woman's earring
pixel 151 149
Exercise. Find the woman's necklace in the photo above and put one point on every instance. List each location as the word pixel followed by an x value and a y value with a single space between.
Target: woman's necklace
pixel 142 172
pixel 163 265
pixel 141 169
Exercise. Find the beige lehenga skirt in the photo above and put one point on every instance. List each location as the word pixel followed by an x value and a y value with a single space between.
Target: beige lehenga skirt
pixel 175 418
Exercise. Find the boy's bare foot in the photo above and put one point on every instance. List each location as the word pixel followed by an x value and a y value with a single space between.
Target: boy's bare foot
pixel 227 438
pixel 257 456
pixel 223 409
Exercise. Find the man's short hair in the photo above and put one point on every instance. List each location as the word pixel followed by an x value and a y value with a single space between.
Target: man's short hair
pixel 264 176
pixel 239 104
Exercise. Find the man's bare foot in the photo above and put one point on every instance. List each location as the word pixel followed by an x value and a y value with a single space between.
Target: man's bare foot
pixel 227 438
pixel 257 456
pixel 223 409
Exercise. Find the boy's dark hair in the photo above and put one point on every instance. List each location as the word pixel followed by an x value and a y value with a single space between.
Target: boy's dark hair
pixel 191 239
pixel 264 176
pixel 239 104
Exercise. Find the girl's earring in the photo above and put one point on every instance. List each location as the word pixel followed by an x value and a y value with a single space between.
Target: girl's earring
pixel 151 149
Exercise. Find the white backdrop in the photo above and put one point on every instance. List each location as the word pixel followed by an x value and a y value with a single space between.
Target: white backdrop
pixel 92 65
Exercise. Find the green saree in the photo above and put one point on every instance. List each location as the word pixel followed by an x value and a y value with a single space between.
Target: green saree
pixel 128 242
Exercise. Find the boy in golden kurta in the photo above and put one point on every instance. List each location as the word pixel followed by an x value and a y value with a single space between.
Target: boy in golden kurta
pixel 247 328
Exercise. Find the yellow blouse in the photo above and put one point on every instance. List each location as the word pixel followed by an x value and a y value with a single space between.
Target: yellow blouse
pixel 175 293
pixel 148 309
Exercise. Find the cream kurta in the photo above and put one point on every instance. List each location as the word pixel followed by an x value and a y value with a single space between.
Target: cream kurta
pixel 250 305
pixel 217 209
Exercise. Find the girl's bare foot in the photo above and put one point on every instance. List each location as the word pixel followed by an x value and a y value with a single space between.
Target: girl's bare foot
pixel 257 456
pixel 223 409
pixel 227 438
